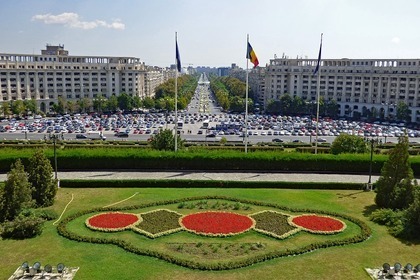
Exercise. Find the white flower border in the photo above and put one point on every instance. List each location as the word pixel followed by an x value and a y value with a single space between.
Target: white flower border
pixel 159 234
pixel 290 220
pixel 217 234
pixel 140 219
pixel 272 234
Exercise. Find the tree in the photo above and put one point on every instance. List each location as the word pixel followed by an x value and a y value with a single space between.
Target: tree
pixel 16 193
pixel 273 107
pixel 403 111
pixel 99 103
pixel 395 186
pixel 40 176
pixel 17 107
pixel 148 102
pixel 71 106
pixel 286 104
pixel 165 140
pixel 5 108
pixel 83 104
pixel 345 143
pixel 112 104
pixel 30 106
pixel 125 101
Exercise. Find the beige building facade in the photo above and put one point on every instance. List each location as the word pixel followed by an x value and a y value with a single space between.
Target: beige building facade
pixel 357 85
pixel 54 73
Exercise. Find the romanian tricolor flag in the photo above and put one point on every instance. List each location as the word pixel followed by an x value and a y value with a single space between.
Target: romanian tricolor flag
pixel 250 54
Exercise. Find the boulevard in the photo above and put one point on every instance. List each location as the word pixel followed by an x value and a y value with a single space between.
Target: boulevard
pixel 202 121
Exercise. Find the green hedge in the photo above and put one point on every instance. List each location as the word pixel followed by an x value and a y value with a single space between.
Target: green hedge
pixel 111 158
pixel 173 183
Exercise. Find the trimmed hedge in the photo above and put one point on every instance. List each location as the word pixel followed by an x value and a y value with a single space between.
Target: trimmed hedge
pixel 93 157
pixel 173 183
pixel 365 233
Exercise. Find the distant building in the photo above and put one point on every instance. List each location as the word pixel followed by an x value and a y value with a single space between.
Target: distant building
pixel 223 71
pixel 357 85
pixel 54 73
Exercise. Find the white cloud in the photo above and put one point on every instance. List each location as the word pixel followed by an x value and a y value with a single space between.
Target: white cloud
pixel 72 20
pixel 396 40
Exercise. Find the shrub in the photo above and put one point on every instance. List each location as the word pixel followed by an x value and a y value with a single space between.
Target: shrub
pixel 345 143
pixel 26 225
pixel 165 140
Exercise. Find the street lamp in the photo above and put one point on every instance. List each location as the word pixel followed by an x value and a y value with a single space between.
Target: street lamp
pixel 54 137
pixel 369 184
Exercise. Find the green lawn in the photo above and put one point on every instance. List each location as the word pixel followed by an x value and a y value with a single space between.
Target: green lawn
pixel 111 262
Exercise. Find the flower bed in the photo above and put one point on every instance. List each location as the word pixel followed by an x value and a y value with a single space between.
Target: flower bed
pixel 318 224
pixel 158 222
pixel 274 224
pixel 112 221
pixel 217 223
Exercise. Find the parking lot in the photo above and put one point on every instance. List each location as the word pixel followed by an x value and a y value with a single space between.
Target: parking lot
pixel 202 121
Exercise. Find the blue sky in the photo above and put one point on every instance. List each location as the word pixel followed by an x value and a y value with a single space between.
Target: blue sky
pixel 213 32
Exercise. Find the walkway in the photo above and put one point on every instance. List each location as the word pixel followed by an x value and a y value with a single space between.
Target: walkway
pixel 200 175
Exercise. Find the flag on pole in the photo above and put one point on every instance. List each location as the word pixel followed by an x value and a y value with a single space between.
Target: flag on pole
pixel 250 54
pixel 178 58
pixel 318 64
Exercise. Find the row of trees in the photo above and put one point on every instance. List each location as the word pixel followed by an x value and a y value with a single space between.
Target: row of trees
pixel 25 190
pixel 288 105
pixel 165 93
pixel 18 107
pixel 230 93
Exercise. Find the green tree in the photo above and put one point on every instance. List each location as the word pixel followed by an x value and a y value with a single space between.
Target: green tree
pixel 395 186
pixel 83 104
pixel 5 109
pixel 30 106
pixel 286 104
pixel 112 104
pixel 61 105
pixel 99 103
pixel 16 192
pixel 273 107
pixel 345 143
pixel 413 214
pixel 148 102
pixel 40 176
pixel 403 111
pixel 165 140
pixel 18 108
pixel 71 106
pixel 125 101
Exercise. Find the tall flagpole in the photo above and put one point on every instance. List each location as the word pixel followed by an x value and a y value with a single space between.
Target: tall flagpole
pixel 176 94
pixel 317 96
pixel 246 99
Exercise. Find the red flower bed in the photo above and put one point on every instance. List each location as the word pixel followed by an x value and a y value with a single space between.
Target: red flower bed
pixel 217 223
pixel 112 220
pixel 322 224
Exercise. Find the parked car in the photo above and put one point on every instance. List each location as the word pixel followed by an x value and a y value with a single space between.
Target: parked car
pixel 81 136
pixel 121 134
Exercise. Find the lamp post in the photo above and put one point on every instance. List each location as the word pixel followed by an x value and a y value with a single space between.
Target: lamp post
pixel 54 137
pixel 369 184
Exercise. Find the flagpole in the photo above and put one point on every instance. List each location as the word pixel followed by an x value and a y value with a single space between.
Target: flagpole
pixel 317 96
pixel 246 100
pixel 176 96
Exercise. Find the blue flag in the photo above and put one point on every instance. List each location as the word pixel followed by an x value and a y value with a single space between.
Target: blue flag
pixel 318 64
pixel 178 58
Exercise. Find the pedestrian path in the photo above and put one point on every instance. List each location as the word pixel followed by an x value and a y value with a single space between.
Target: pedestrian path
pixel 200 175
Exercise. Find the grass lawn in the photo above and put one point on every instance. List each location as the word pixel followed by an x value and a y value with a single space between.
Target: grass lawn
pixel 98 261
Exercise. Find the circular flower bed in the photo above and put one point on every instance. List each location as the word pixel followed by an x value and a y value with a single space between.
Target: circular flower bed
pixel 318 224
pixel 112 221
pixel 217 223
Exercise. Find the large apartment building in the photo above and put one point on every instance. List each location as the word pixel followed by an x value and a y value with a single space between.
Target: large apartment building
pixel 54 73
pixel 357 85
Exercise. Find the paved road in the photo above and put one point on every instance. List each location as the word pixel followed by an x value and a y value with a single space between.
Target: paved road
pixel 199 175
